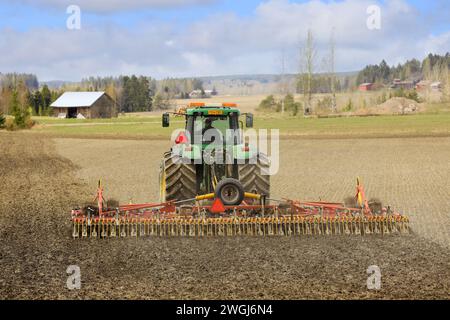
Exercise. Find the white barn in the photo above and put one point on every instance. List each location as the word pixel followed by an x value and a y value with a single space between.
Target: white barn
pixel 84 105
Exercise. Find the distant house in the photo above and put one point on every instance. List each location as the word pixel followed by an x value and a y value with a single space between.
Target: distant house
pixel 196 94
pixel 366 86
pixel 202 93
pixel 436 86
pixel 423 85
pixel 427 84
pixel 398 84
pixel 84 105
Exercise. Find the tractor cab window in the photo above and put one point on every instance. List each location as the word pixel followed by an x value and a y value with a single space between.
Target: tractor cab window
pixel 201 124
pixel 214 126
pixel 219 123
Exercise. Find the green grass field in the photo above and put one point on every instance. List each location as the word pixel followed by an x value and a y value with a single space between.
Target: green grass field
pixel 149 127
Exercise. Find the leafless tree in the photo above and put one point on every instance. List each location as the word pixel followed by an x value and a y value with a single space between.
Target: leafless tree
pixel 307 61
pixel 332 72
pixel 283 82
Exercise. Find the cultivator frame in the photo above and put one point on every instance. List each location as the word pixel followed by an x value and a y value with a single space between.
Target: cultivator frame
pixel 285 218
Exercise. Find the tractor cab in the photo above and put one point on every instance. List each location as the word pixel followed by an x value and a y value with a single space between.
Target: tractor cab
pixel 212 120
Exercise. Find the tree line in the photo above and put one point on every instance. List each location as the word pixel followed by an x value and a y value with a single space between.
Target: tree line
pixel 429 68
pixel 131 93
pixel 11 79
pixel 139 93
pixel 23 90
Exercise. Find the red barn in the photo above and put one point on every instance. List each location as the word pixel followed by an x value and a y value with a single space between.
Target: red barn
pixel 365 86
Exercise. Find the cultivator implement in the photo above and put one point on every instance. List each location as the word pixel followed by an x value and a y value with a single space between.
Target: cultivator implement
pixel 206 215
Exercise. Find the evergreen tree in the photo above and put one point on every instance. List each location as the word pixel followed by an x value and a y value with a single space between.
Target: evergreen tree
pixel 46 100
pixel 2 120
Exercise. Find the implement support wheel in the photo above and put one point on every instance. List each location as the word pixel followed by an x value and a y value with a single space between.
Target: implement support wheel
pixel 230 191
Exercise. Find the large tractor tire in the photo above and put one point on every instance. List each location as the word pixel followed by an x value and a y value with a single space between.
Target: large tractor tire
pixel 177 180
pixel 252 178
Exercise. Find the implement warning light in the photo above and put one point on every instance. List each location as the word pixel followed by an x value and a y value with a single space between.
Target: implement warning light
pixel 229 104
pixel 196 104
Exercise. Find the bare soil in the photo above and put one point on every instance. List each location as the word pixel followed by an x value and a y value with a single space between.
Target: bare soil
pixel 39 187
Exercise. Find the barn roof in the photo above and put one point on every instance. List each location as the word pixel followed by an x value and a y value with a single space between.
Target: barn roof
pixel 77 99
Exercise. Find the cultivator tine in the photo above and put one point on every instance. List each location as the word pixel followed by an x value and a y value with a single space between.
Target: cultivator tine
pixel 112 229
pixel 258 230
pixel 191 230
pixel 346 228
pixel 166 228
pixel 248 227
pixel 229 228
pixel 84 232
pixel 396 226
pixel 172 228
pixel 76 229
pixel 358 227
pixel 270 229
pixel 280 228
pixel 301 226
pixel 94 227
pixel 133 229
pixel 366 225
pixel 318 226
pixel 201 228
pixel 122 229
pixel 289 230
pixel 160 228
pixel 209 228
pixel 142 226
pixel 220 231
pixel 308 228
pixel 151 226
pixel 404 225
pixel 102 229
pixel 328 229
pixel 385 227
pixel 376 228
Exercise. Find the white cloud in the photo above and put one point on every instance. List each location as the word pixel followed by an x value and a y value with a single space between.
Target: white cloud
pixel 439 44
pixel 224 43
pixel 113 5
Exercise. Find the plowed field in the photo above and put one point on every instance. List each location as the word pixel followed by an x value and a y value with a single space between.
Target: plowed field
pixel 39 185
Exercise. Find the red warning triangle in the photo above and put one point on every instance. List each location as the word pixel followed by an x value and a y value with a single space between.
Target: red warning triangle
pixel 217 206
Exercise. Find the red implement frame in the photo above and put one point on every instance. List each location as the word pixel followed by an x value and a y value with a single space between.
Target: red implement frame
pixel 169 210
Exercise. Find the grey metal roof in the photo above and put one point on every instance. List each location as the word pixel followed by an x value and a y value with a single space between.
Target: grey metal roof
pixel 77 99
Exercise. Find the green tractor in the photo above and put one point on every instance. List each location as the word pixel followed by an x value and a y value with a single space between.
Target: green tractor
pixel 200 163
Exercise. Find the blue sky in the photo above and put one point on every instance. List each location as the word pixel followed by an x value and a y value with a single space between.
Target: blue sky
pixel 22 15
pixel 211 37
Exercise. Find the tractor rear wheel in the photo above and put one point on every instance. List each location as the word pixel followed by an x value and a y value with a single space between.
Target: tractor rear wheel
pixel 252 176
pixel 177 179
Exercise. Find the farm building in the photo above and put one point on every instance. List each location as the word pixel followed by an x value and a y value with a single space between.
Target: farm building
pixel 366 86
pixel 398 84
pixel 202 93
pixel 427 84
pixel 84 105
pixel 436 86
pixel 423 85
